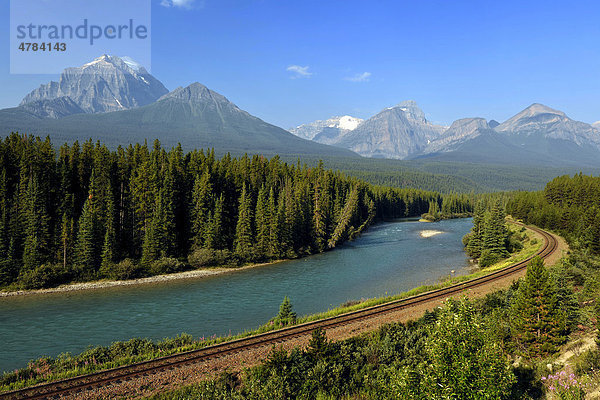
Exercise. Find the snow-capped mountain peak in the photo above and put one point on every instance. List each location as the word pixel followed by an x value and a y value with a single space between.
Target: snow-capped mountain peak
pixel 334 126
pixel 349 123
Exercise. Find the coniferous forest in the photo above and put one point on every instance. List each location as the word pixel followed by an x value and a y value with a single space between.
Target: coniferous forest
pixel 83 212
pixel 569 205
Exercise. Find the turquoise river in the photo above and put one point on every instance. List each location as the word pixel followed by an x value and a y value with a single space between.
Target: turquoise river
pixel 389 258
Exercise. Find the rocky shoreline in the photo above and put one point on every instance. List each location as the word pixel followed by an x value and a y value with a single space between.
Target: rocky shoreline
pixel 194 274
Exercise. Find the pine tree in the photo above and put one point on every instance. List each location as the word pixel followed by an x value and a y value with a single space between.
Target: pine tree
pixel 201 200
pixel 214 238
pixel 285 222
pixel 319 222
pixel 263 220
pixel 495 233
pixel 109 246
pixel 243 233
pixel 344 228
pixel 4 213
pixel 89 234
pixel 274 244
pixel 67 234
pixel 538 323
pixel 35 251
pixel 286 315
pixel 475 244
pixel 153 247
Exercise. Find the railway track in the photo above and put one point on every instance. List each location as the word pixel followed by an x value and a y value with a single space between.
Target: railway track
pixel 116 375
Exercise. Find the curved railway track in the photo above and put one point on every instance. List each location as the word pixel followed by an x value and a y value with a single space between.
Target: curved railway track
pixel 116 375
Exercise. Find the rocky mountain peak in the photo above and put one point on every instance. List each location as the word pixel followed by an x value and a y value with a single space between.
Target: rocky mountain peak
pixel 460 131
pixel 108 83
pixel 412 111
pixel 196 92
pixel 537 109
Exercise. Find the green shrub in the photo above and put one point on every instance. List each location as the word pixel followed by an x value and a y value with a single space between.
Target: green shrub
pixel 44 276
pixel 9 270
pixel 202 258
pixel 166 265
pixel 488 258
pixel 127 269
pixel 514 244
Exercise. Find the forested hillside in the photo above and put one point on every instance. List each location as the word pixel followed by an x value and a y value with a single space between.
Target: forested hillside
pixel 85 212
pixel 569 205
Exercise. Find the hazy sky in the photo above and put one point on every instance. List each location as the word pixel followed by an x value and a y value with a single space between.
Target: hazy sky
pixel 290 62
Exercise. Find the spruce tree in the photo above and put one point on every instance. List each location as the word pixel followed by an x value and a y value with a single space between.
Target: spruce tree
pixel 201 200
pixel 344 227
pixel 35 251
pixel 109 246
pixel 153 249
pixel 243 232
pixel 274 245
pixel 67 235
pixel 214 238
pixel 475 244
pixel 538 322
pixel 4 213
pixel 285 221
pixel 286 315
pixel 495 233
pixel 319 222
pixel 88 236
pixel 263 220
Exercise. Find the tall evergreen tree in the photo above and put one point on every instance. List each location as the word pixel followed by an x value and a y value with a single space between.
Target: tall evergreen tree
pixel 243 233
pixel 215 233
pixel 319 221
pixel 538 322
pixel 475 244
pixel 495 234
pixel 35 251
pixel 344 226
pixel 274 246
pixel 201 202
pixel 67 236
pixel 110 245
pixel 4 213
pixel 262 220
pixel 89 235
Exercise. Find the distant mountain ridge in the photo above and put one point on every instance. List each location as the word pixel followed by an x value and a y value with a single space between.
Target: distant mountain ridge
pixel 538 134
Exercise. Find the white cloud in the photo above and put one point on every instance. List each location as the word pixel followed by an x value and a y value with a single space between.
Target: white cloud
pixel 364 77
pixel 298 71
pixel 188 4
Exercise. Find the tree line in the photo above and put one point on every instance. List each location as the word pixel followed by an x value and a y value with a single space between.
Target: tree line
pixel 85 212
pixel 569 205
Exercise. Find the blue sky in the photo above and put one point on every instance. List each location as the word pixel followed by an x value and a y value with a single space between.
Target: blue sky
pixel 290 62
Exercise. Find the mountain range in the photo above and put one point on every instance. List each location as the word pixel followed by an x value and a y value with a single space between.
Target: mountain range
pixel 537 135
pixel 117 101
